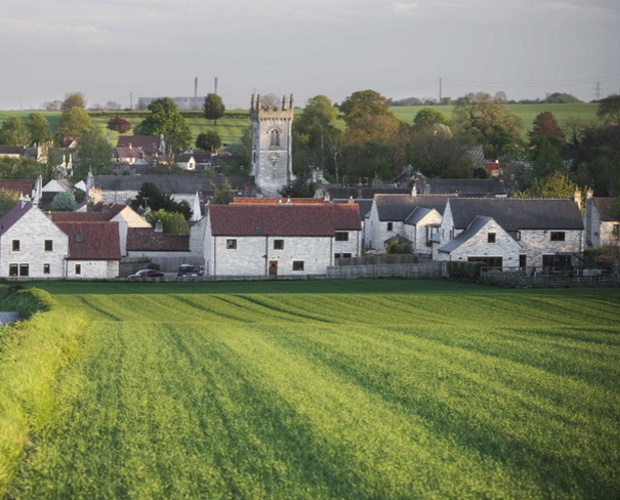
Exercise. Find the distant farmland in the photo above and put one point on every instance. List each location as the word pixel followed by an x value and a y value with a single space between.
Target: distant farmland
pixel 231 127
pixel 361 389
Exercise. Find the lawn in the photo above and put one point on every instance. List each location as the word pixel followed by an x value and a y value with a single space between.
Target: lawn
pixel 337 389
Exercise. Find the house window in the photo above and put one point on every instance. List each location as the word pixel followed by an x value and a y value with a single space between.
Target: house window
pixel 342 255
pixel 522 261
pixel 298 265
pixel 557 235
pixel 16 245
pixel 489 261
pixel 49 245
pixel 278 244
pixel 46 268
pixel 616 230
pixel 342 236
pixel 23 270
pixel 491 237
pixel 78 269
pixel 79 238
pixel 231 244
pixel 13 269
pixel 390 226
pixel 556 262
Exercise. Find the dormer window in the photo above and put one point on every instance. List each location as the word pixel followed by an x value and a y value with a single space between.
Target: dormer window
pixel 491 238
pixel 79 238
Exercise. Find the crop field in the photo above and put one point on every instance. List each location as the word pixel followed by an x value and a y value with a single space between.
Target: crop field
pixel 361 389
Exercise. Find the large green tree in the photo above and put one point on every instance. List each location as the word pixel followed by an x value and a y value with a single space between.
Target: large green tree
pixel 209 141
pixel 39 129
pixel 429 117
pixel 362 104
pixel 14 132
pixel 73 121
pixel 172 222
pixel 150 196
pixel 488 120
pixel 609 109
pixel 165 119
pixel 73 100
pixel 20 168
pixel 213 107
pixel 93 153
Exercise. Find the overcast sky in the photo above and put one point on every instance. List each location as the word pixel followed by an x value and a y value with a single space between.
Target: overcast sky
pixel 108 49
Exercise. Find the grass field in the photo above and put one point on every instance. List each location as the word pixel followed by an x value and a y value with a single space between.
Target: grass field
pixel 345 389
pixel 231 129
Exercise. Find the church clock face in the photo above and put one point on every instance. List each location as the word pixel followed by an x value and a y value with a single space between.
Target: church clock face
pixel 273 158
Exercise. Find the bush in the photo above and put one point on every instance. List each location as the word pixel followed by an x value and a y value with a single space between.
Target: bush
pixel 468 271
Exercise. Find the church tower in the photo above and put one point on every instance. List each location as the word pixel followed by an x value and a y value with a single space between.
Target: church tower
pixel 272 159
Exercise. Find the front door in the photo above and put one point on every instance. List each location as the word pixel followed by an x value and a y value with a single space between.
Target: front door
pixel 273 267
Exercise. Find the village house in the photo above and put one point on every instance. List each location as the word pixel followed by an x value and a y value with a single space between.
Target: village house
pixel 31 245
pixel 281 239
pixel 410 216
pixel 94 249
pixel 601 221
pixel 524 233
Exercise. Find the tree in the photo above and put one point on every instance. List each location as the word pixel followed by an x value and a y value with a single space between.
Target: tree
pixel 545 125
pixel 555 185
pixel 609 109
pixel 73 121
pixel 488 121
pixel 213 107
pixel 20 168
pixel 93 153
pixel 165 119
pixel 8 199
pixel 39 129
pixel 435 152
pixel 362 104
pixel 149 196
pixel 119 124
pixel 222 195
pixel 112 106
pixel 14 132
pixel 209 141
pixel 546 159
pixel 298 188
pixel 64 201
pixel 73 100
pixel 172 222
pixel 427 117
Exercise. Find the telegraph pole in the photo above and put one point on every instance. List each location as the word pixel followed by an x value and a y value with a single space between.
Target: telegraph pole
pixel 440 85
pixel 598 91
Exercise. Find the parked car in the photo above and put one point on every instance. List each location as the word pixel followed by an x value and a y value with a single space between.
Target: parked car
pixel 146 274
pixel 188 270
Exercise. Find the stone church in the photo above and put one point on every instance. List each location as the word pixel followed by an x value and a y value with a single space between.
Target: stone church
pixel 272 160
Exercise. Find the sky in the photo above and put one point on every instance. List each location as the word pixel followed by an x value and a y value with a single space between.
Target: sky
pixel 113 49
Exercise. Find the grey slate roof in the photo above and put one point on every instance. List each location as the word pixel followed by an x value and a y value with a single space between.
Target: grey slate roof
pixel 604 207
pixel 167 184
pixel 476 225
pixel 13 215
pixel 464 187
pixel 366 193
pixel 399 207
pixel 515 214
pixel 417 215
pixel 365 206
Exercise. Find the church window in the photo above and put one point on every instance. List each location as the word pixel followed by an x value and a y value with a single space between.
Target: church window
pixel 274 137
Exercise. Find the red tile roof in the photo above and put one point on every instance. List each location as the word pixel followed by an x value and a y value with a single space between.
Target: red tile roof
pixel 23 186
pixel 92 240
pixel 146 239
pixel 283 220
pixel 248 200
pixel 98 212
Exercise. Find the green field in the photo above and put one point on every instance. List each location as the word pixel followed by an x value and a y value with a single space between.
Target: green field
pixel 231 128
pixel 346 389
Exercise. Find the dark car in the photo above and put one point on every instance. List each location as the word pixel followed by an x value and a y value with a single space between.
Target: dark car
pixel 146 273
pixel 188 270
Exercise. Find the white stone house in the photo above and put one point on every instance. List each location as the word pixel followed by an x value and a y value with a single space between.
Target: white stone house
pixel 602 223
pixel 415 217
pixel 94 250
pixel 31 245
pixel 273 240
pixel 548 230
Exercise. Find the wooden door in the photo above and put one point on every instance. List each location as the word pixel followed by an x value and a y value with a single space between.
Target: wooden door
pixel 273 268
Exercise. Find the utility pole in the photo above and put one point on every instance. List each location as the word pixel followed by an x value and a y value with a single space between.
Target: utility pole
pixel 215 86
pixel 598 91
pixel 440 85
pixel 130 101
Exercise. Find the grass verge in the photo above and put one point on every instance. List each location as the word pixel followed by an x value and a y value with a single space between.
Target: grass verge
pixel 32 355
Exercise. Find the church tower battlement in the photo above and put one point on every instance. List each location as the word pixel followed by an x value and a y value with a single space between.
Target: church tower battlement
pixel 272 158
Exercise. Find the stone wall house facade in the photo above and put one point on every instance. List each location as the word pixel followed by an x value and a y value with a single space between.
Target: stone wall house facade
pixel 31 245
pixel 273 240
pixel 94 250
pixel 601 221
pixel 548 230
pixel 415 217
